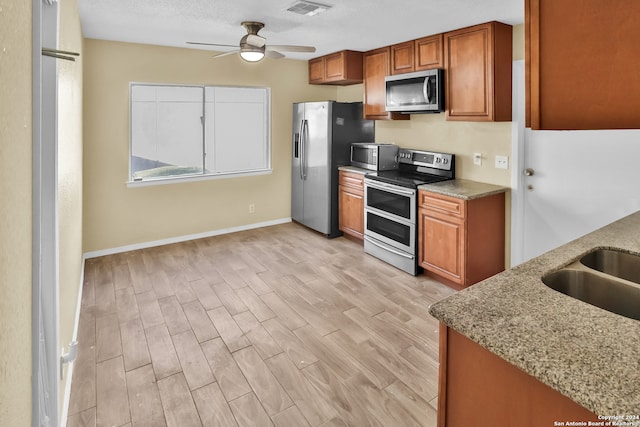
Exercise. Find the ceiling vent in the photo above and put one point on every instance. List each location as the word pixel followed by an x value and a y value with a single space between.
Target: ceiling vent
pixel 308 8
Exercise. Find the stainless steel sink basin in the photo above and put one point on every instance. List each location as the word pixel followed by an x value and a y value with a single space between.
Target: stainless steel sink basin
pixel 616 263
pixel 596 289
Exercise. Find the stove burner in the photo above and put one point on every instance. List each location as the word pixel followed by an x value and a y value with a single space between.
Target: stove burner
pixel 406 179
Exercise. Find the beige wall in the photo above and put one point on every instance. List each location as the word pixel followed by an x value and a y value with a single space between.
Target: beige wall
pixel 69 171
pixel 15 213
pixel 433 132
pixel 115 215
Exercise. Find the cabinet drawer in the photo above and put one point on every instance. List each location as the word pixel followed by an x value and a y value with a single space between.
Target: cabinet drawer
pixel 442 204
pixel 352 180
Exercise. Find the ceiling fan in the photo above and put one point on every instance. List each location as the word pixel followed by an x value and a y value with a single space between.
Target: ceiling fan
pixel 253 47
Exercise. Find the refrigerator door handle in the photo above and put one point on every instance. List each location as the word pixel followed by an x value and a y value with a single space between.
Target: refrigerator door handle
pixel 301 142
pixel 303 160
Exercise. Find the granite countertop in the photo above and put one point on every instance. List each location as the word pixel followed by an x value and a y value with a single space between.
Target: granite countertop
pixel 463 189
pixel 354 169
pixel 588 354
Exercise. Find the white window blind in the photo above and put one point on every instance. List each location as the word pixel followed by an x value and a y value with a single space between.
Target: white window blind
pixel 192 131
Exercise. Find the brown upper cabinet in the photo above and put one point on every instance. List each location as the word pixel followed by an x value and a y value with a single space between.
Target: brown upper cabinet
pixel 429 53
pixel 376 68
pixel 402 59
pixel 340 68
pixel 417 55
pixel 581 64
pixel 478 64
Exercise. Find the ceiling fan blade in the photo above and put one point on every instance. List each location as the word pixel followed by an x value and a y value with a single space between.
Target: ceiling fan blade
pixel 213 44
pixel 291 48
pixel 273 54
pixel 255 40
pixel 231 52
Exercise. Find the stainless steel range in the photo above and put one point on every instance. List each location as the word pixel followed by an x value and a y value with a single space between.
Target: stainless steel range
pixel 391 208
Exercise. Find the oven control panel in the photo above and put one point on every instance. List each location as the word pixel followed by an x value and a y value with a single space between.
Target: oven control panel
pixel 429 159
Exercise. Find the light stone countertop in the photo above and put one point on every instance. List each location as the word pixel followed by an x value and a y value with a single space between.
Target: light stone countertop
pixel 463 189
pixel 354 169
pixel 588 354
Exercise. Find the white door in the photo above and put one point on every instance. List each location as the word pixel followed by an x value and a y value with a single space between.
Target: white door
pixel 580 181
pixel 569 183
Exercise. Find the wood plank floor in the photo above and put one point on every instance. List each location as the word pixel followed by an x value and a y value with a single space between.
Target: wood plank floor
pixel 277 326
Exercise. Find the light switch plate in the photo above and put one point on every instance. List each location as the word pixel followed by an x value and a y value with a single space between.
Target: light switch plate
pixel 477 159
pixel 502 162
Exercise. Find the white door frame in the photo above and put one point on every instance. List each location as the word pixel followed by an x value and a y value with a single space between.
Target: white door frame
pixel 45 324
pixel 517 164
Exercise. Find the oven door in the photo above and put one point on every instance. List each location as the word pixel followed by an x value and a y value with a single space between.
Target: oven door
pixel 390 200
pixel 390 231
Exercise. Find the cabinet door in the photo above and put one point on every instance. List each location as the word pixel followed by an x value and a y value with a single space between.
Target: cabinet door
pixel 316 70
pixel 582 73
pixel 469 79
pixel 402 58
pixel 351 208
pixel 376 67
pixel 479 388
pixel 334 67
pixel 441 245
pixel 478 72
pixel 429 53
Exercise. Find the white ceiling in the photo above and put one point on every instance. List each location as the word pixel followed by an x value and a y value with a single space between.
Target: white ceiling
pixel 349 24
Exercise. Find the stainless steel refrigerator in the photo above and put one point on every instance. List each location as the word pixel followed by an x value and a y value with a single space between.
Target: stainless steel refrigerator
pixel 322 137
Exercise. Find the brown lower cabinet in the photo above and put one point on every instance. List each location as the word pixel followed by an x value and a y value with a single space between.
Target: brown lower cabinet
pixel 351 204
pixel 460 242
pixel 478 388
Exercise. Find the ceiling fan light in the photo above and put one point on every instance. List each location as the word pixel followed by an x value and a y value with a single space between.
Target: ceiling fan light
pixel 251 53
pixel 252 56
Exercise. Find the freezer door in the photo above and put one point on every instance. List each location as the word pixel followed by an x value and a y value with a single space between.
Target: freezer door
pixel 316 166
pixel 297 199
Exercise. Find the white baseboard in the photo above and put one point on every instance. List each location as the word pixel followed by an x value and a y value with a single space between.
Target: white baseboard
pixel 185 238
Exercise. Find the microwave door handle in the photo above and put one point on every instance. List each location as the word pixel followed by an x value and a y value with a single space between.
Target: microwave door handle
pixel 426 89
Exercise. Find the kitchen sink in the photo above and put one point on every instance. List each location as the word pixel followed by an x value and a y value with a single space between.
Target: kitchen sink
pixel 602 290
pixel 615 263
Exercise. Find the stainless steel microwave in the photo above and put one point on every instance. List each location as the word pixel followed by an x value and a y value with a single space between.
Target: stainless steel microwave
pixel 419 92
pixel 372 156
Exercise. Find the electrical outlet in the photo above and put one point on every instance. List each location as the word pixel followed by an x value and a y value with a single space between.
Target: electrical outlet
pixel 477 159
pixel 252 208
pixel 502 162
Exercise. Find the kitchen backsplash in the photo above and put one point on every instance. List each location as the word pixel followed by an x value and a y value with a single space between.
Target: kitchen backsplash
pixel 433 132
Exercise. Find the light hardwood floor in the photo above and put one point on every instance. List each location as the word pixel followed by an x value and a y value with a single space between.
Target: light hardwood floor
pixel 277 326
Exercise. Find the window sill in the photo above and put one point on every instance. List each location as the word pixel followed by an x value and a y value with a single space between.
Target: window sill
pixel 193 178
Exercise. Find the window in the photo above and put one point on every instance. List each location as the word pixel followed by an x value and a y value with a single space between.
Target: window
pixel 198 131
